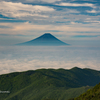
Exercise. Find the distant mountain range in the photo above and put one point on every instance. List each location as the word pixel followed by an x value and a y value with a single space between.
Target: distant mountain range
pixel 47 84
pixel 46 39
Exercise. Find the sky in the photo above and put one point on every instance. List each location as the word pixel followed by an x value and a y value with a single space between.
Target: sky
pixel 69 20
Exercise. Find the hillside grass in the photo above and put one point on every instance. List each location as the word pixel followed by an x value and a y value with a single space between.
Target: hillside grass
pixel 91 94
pixel 54 84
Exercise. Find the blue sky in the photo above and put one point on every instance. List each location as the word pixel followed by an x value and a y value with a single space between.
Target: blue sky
pixel 69 20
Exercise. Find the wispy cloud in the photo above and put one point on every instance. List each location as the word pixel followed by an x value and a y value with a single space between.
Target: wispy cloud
pixel 76 4
pixel 92 11
pixel 27 28
pixel 10 9
pixel 33 1
pixel 96 11
pixel 86 36
pixel 48 1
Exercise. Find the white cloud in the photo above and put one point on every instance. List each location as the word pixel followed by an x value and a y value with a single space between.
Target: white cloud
pixel 27 28
pixel 92 21
pixel 71 28
pixel 10 9
pixel 48 1
pixel 7 66
pixel 22 58
pixel 92 11
pixel 76 4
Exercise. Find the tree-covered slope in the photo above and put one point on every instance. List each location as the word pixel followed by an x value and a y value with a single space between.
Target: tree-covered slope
pixel 91 94
pixel 55 84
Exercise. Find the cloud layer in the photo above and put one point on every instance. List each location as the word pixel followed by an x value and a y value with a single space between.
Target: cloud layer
pixel 14 65
pixel 14 58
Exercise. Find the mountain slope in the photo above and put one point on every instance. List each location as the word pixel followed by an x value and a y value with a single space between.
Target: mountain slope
pixel 49 92
pixel 55 84
pixel 45 40
pixel 91 94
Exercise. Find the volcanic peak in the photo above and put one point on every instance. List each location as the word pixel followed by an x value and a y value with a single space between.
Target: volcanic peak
pixel 46 39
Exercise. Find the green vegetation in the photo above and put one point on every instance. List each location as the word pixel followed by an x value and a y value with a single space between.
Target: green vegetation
pixel 47 84
pixel 91 94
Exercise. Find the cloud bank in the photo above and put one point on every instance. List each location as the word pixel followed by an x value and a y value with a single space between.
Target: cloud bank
pixel 14 58
pixel 8 66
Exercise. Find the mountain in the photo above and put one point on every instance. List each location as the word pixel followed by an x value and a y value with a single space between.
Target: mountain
pixel 45 40
pixel 47 84
pixel 91 94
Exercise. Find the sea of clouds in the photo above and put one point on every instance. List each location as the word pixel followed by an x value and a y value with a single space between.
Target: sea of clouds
pixel 23 58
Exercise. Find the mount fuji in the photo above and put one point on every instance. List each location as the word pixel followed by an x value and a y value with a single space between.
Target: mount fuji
pixel 46 39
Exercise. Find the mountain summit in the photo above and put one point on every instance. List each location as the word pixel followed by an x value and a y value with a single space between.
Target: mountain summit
pixel 46 39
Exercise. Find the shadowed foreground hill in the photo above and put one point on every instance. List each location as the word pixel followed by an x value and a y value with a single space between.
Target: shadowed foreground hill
pixel 91 94
pixel 47 84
